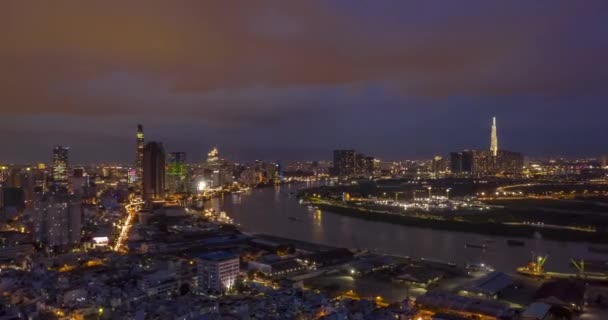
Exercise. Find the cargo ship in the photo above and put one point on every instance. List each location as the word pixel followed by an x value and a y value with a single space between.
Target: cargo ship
pixel 535 268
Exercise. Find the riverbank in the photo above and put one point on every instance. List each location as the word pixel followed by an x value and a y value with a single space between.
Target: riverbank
pixel 485 228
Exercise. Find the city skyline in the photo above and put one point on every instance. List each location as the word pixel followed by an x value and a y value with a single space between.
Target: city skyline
pixel 297 80
pixel 390 159
pixel 137 162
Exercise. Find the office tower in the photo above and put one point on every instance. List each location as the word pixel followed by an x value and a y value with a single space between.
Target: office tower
pixel 60 166
pixel 461 162
pixel 350 164
pixel 494 139
pixel 79 180
pixel 154 171
pixel 438 165
pixel 217 271
pixel 345 163
pixel 139 157
pixel 177 171
pixel 177 164
pixel 479 163
pixel 57 220
pixel 509 162
pixel 368 169
pixel 490 162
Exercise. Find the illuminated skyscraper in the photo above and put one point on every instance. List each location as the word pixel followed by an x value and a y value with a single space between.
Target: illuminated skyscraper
pixel 139 157
pixel 494 139
pixel 176 172
pixel 177 164
pixel 154 171
pixel 60 166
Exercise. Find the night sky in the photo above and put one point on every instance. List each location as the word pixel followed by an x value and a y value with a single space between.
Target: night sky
pixel 296 79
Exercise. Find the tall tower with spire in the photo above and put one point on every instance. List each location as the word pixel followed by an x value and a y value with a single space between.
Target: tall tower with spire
pixel 139 157
pixel 494 139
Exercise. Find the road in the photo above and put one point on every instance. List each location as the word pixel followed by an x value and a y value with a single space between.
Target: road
pixel 131 209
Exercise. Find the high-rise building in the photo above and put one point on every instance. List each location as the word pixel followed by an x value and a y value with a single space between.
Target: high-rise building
pixel 461 162
pixel 350 164
pixel 139 157
pixel 483 162
pixel 57 220
pixel 217 271
pixel 438 165
pixel 154 171
pixel 60 166
pixel 487 162
pixel 79 180
pixel 176 172
pixel 494 139
pixel 369 167
pixel 345 163
pixel 177 164
pixel 509 162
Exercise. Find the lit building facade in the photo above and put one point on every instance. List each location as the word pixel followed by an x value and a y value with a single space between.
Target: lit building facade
pixel 494 139
pixel 139 157
pixel 177 164
pixel 60 166
pixel 483 162
pixel 350 164
pixel 57 220
pixel 177 171
pixel 487 162
pixel 438 165
pixel 79 180
pixel 217 271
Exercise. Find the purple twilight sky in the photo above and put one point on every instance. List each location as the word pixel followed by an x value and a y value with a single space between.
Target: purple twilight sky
pixel 296 79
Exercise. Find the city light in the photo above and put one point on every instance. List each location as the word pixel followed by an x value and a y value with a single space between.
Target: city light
pixel 362 174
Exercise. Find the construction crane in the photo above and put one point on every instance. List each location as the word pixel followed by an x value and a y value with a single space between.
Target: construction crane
pixel 580 266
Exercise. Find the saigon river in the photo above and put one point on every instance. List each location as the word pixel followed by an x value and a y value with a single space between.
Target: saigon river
pixel 276 211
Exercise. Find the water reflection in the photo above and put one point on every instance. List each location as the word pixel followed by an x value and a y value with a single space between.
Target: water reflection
pixel 268 210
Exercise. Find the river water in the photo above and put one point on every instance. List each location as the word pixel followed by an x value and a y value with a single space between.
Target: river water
pixel 268 211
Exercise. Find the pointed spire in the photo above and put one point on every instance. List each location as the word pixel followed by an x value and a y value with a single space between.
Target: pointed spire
pixel 494 138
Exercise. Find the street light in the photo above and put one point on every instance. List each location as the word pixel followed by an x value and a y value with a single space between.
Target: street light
pixel 447 193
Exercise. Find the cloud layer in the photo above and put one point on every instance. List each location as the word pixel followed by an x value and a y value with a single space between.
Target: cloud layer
pixel 225 70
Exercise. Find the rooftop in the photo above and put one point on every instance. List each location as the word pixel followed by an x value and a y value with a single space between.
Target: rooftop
pixel 491 283
pixel 217 256
pixel 452 302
